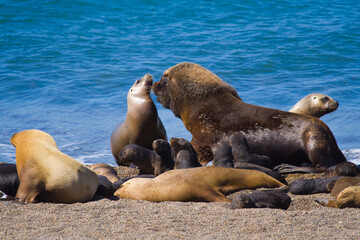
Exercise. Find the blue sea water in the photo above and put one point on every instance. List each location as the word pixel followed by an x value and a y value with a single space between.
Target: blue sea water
pixel 66 66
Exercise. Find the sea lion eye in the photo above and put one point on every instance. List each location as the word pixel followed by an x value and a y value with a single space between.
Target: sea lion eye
pixel 324 99
pixel 314 97
pixel 137 81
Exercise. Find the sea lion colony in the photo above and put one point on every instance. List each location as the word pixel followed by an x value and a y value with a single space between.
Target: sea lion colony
pixel 175 170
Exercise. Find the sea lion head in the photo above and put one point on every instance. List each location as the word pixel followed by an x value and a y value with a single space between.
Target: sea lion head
pixel 141 86
pixel 186 83
pixel 315 104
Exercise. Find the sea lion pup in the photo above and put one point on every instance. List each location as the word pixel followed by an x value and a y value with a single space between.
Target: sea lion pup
pixel 9 179
pixel 285 137
pixel 312 186
pixel 142 124
pixel 148 161
pixel 185 155
pixel 106 170
pixel 222 153
pixel 339 198
pixel 48 175
pixel 348 169
pixel 242 153
pixel 315 104
pixel 164 159
pixel 223 158
pixel 262 199
pixel 209 184
pixel 105 188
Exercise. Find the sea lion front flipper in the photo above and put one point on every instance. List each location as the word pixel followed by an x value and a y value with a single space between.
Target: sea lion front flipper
pixel 28 189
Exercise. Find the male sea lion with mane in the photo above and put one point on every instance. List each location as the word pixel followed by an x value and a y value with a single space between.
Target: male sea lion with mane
pixel 48 175
pixel 283 136
pixel 142 124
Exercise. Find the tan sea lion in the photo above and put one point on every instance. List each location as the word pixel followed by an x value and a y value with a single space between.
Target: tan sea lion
pixel 211 110
pixel 315 104
pixel 46 174
pixel 142 124
pixel 105 170
pixel 209 184
pixel 340 199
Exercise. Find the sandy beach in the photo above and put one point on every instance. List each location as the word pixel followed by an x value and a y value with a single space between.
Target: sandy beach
pixel 131 219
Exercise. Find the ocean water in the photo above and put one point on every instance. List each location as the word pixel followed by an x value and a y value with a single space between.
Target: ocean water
pixel 66 66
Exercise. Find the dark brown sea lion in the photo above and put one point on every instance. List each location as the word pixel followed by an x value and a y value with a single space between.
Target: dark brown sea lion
pixel 312 186
pixel 316 105
pixel 242 153
pixel 148 161
pixel 223 158
pixel 262 199
pixel 142 124
pixel 211 110
pixel 9 179
pixel 46 174
pixel 209 184
pixel 185 155
pixel 348 169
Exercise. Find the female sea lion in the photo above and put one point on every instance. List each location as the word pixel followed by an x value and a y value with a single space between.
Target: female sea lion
pixel 315 104
pixel 105 170
pixel 211 110
pixel 209 184
pixel 46 174
pixel 142 124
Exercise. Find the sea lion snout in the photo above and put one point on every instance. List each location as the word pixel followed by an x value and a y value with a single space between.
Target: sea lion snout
pixel 148 79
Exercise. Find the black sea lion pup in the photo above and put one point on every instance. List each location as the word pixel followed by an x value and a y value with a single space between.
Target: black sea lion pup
pixel 106 188
pixel 209 184
pixel 312 186
pixel 348 169
pixel 140 156
pixel 223 158
pixel 47 174
pixel 164 160
pixel 262 199
pixel 242 152
pixel 316 105
pixel 222 155
pixel 185 155
pixel 9 179
pixel 105 170
pixel 211 110
pixel 142 124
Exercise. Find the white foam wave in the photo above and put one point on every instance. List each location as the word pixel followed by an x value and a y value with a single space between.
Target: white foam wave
pixel 352 155
pixel 103 157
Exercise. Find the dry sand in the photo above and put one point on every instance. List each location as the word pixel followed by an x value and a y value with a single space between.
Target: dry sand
pixel 131 219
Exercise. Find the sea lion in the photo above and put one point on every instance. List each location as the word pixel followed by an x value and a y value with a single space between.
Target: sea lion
pixel 106 170
pixel 312 186
pixel 339 197
pixel 105 188
pixel 121 181
pixel 242 153
pixel 209 184
pixel 142 124
pixel 348 169
pixel 164 159
pixel 285 137
pixel 315 104
pixel 223 158
pixel 185 155
pixel 148 161
pixel 9 179
pixel 262 199
pixel 48 175
pixel 222 153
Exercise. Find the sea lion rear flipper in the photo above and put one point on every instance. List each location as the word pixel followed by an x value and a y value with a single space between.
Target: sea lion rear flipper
pixel 212 195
